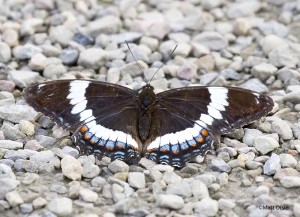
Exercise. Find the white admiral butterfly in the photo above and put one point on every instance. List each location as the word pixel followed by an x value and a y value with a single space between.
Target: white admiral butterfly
pixel 170 127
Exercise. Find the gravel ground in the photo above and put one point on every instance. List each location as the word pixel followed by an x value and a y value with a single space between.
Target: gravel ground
pixel 251 44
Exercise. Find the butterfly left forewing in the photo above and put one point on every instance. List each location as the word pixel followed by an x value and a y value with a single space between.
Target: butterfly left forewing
pixel 91 108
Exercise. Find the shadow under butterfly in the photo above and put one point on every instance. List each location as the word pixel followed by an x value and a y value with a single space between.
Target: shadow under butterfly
pixel 171 127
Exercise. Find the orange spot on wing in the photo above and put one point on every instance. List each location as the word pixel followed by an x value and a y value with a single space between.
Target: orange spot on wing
pixel 86 137
pixel 204 132
pixel 176 152
pixel 120 147
pixel 83 129
pixel 164 150
pixel 200 140
pixel 194 145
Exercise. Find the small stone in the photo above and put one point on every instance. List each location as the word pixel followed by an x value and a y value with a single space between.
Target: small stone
pixel 88 195
pixel 261 190
pixel 39 202
pixel 265 144
pixel 211 40
pixel 273 27
pixel 8 86
pixel 290 182
pixel 11 37
pixel 263 71
pixel 90 170
pixel 92 58
pixel 287 160
pixel 118 166
pixel 182 189
pixel 125 36
pixel 69 56
pixel 83 39
pixel 296 209
pixel 136 180
pixel 283 56
pixel 254 84
pixel 283 129
pixel 26 127
pixel 226 204
pixel 45 141
pixel 42 156
pixel 61 34
pixel 105 25
pixel 199 189
pixel 13 198
pixel 7 185
pixel 5 53
pixel 16 113
pixel 27 51
pixel 223 178
pixel 293 97
pixel 71 167
pixel 54 70
pixel 38 62
pixel 237 9
pixel 70 151
pixel 26 208
pixel 23 78
pixel 186 72
pixel 98 182
pixel 241 26
pixel 207 207
pixel 272 165
pixel 169 201
pixel 61 206
pixel 74 190
pixel 220 165
pixel 285 172
pixel 19 154
pixel 171 177
pixel 270 42
pixel 58 188
pixel 11 145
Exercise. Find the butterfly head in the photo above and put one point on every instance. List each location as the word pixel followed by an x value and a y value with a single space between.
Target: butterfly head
pixel 146 96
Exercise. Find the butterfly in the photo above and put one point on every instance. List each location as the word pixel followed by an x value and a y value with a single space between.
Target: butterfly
pixel 171 127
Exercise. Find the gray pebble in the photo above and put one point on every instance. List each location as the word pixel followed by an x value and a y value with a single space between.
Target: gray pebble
pixel 5 52
pixel 16 113
pixel 254 84
pixel 285 172
pixel 181 188
pixel 30 26
pixel 92 58
pixel 6 171
pixel 118 166
pixel 271 42
pixel 211 40
pixel 71 167
pixel 265 144
pixel 237 9
pixel 19 154
pixel 70 151
pixel 74 189
pixel 274 27
pixel 113 75
pixel 98 182
pixel 226 204
pixel 42 156
pixel 171 177
pixel 283 56
pixel 7 185
pixel 125 36
pixel 88 195
pixel 12 145
pixel 58 188
pixel 208 78
pixel 290 182
pixel 261 190
pixel 23 52
pixel 45 141
pixel 207 179
pixel 146 163
pixel 283 129
pixel 61 206
pixel 61 34
pixel 186 72
pixel 39 202
pixel 26 127
pixel 105 25
pixel 69 56
pixel 13 198
pixel 272 165
pixel 6 85
pixel 136 180
pixel 207 207
pixel 251 135
pixel 90 170
pixel 293 97
pixel 22 78
pixel 287 160
pixel 10 37
pixel 263 71
pixel 169 201
pixel 220 165
pixel 133 69
pixel 26 208
pixel 199 189
pixel 54 71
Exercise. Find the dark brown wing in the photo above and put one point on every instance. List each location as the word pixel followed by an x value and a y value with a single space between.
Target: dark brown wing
pixel 102 114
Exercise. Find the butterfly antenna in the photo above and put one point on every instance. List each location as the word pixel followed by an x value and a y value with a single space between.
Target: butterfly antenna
pixel 134 57
pixel 169 57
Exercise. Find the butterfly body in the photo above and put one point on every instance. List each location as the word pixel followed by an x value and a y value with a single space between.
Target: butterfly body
pixel 171 127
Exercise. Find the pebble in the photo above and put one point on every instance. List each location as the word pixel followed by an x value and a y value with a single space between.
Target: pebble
pixel 287 160
pixel 16 113
pixel 272 165
pixel 69 56
pixel 8 86
pixel 182 189
pixel 265 144
pixel 263 71
pixel 105 25
pixel 211 40
pixel 207 207
pixel 61 206
pixel 283 56
pixel 54 71
pixel 285 172
pixel 13 198
pixel 237 9
pixel 220 165
pixel 92 58
pixel 7 185
pixel 71 167
pixel 270 42
pixel 83 39
pixel 283 129
pixel 169 201
pixel 11 145
pixel 199 189
pixel 39 202
pixel 27 51
pixel 254 84
pixel 118 166
pixel 22 78
pixel 136 180
pixel 11 37
pixel 61 34
pixel 26 127
pixel 296 209
pixel 226 204
pixel 26 208
pixel 290 182
pixel 90 170
pixel 5 52
pixel 88 195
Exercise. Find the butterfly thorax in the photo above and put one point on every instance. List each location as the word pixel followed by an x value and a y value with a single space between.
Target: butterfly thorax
pixel 146 104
